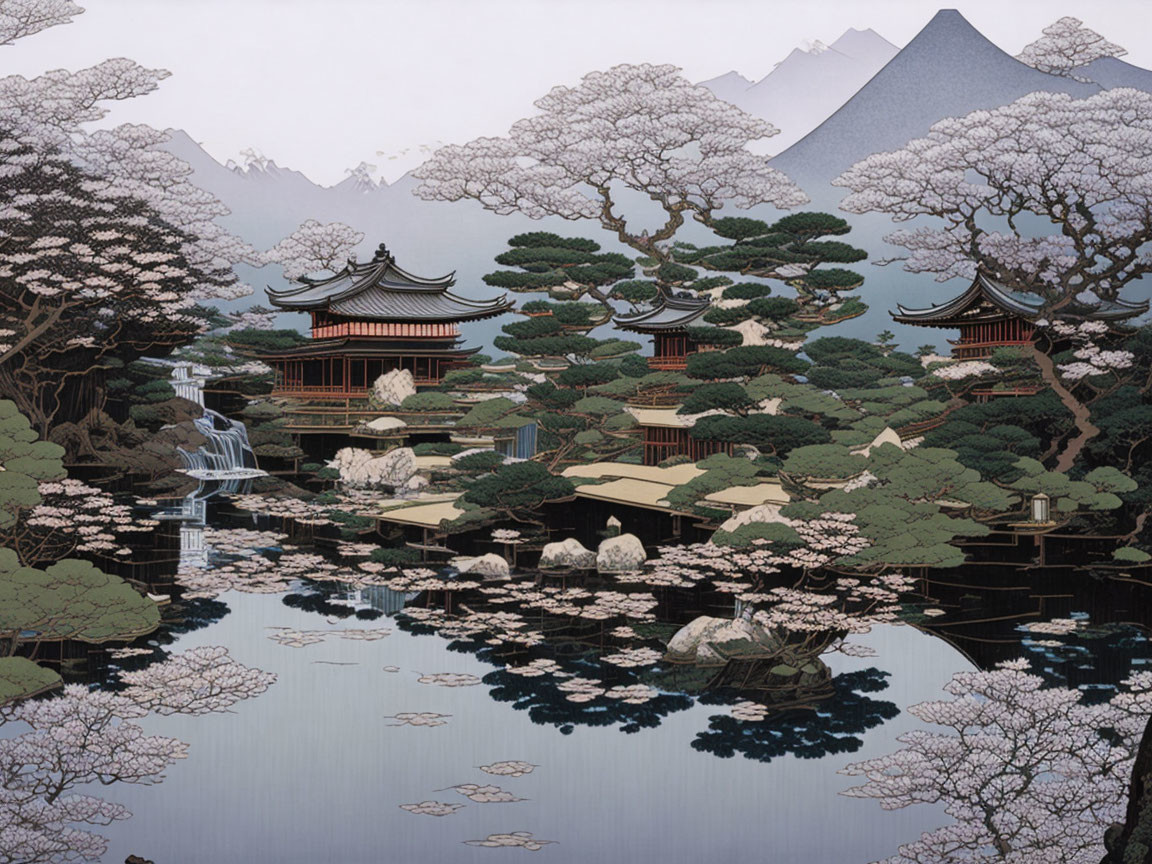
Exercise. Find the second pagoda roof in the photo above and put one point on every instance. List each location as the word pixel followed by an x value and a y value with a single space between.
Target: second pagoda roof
pixel 381 291
pixel 668 314
pixel 987 299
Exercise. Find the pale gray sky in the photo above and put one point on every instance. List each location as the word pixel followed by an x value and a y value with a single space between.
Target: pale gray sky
pixel 321 86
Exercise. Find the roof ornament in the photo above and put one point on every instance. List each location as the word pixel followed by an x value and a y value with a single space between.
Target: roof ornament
pixel 351 259
pixel 381 252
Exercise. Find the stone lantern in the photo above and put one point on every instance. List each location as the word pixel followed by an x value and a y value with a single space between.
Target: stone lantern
pixel 1041 508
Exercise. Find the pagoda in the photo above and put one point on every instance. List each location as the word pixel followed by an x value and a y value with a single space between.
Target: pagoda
pixel 667 322
pixel 990 315
pixel 369 319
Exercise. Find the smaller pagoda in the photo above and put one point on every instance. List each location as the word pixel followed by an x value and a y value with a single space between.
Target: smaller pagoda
pixel 990 316
pixel 369 319
pixel 667 322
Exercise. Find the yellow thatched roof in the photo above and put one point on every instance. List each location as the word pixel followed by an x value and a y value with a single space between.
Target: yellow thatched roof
pixel 666 417
pixel 750 496
pixel 426 514
pixel 638 493
pixel 674 476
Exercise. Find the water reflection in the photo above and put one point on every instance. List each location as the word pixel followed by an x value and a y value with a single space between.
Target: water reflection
pixel 834 725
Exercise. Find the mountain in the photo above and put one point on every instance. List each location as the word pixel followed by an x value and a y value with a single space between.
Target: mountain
pixel 807 85
pixel 429 238
pixel 948 69
pixel 730 86
pixel 1110 72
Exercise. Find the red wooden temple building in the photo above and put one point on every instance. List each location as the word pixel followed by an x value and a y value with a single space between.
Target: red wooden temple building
pixel 666 322
pixel 990 316
pixel 369 319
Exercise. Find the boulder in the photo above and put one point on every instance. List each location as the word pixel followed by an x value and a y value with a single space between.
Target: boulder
pixel 393 387
pixel 618 554
pixel 415 483
pixel 568 553
pixel 490 566
pixel 359 467
pixel 708 641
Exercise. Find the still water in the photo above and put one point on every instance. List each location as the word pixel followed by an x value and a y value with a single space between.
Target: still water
pixel 311 771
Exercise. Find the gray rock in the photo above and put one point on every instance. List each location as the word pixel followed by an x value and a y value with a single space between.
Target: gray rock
pixel 394 387
pixel 619 554
pixel 490 566
pixel 708 641
pixel 568 553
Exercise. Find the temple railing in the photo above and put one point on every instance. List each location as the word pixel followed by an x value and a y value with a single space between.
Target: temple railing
pixel 386 329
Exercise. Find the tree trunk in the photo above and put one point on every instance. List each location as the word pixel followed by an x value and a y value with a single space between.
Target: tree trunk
pixel 1127 843
pixel 1080 412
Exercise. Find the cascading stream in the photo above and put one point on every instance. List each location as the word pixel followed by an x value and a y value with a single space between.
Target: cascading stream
pixel 227 453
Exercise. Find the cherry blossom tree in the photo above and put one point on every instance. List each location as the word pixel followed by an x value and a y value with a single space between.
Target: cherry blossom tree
pixel 77 738
pixel 1066 46
pixel 1079 164
pixel 20 18
pixel 108 243
pixel 84 737
pixel 642 128
pixel 90 275
pixel 314 247
pixel 1025 772
pixel 990 178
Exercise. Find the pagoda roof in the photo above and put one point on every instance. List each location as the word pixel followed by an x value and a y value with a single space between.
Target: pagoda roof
pixel 353 347
pixel 381 291
pixel 988 300
pixel 668 314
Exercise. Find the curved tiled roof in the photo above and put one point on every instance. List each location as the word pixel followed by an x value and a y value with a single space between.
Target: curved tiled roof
pixel 986 299
pixel 669 313
pixel 381 291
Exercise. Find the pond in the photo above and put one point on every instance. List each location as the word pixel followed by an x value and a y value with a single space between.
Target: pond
pixel 312 771
pixel 321 766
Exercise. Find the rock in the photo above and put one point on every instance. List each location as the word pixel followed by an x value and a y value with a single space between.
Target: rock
pixel 359 467
pixel 394 387
pixel 415 483
pixel 490 566
pixel 708 641
pixel 618 554
pixel 568 553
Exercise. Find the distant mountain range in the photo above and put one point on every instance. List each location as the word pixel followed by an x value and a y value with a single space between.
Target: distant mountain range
pixel 947 70
pixel 848 100
pixel 807 85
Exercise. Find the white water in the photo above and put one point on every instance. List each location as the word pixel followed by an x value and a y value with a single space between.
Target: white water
pixel 227 455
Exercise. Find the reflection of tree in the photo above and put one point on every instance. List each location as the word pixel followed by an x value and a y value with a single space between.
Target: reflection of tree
pixel 806 731
pixel 320 600
pixel 547 704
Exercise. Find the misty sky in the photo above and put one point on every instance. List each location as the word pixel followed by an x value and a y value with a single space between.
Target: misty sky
pixel 322 86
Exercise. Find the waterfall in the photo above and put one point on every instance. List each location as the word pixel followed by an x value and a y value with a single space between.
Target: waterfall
pixel 226 455
pixel 192 514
